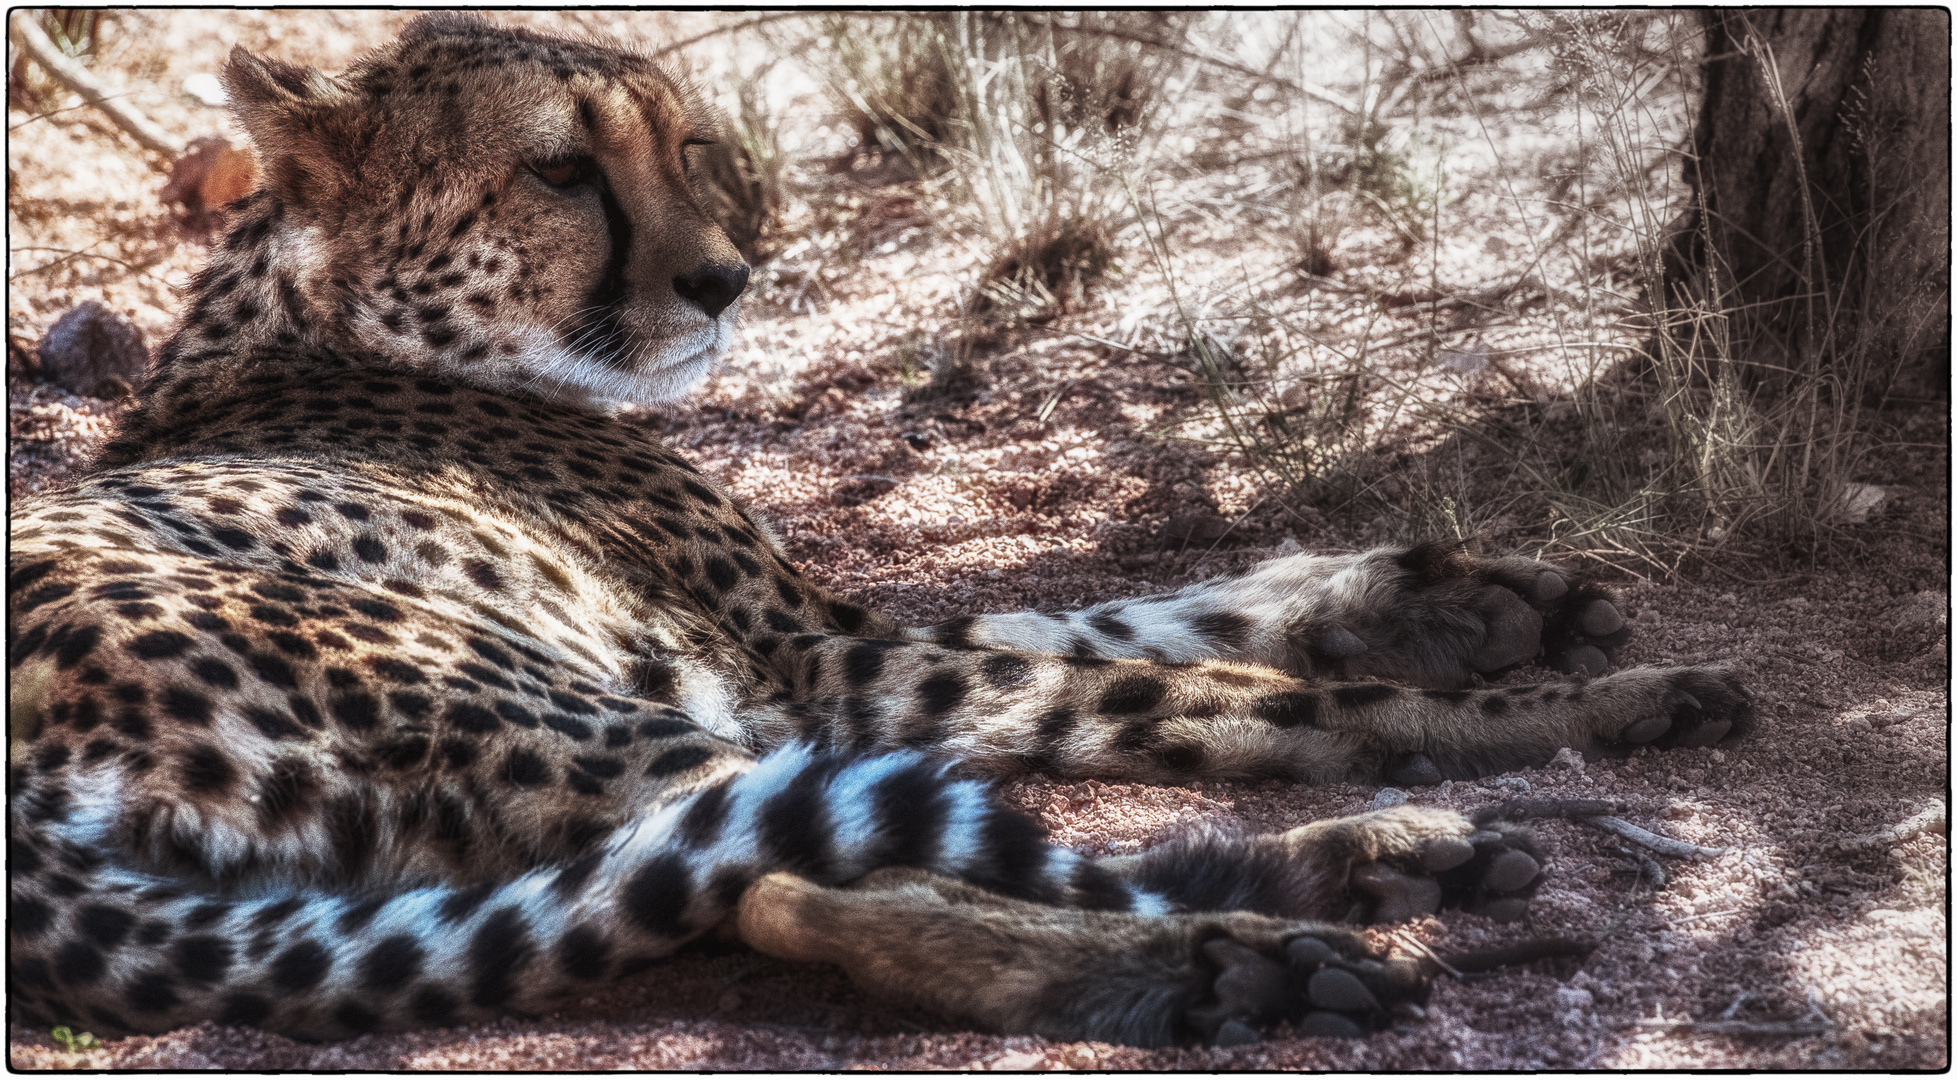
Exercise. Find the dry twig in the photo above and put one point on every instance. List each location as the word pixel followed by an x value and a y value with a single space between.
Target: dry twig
pixel 33 41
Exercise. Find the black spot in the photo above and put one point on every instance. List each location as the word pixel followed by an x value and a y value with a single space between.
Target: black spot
pixel 356 1017
pixel 1352 697
pixel 863 663
pixel 847 617
pixel 391 964
pixel 76 646
pixel 583 953
pixel 483 573
pixel 664 728
pixel 1452 697
pixel 604 768
pixel 377 610
pixel 1004 671
pixel 1494 704
pixel 462 903
pixel 273 615
pixel 215 673
pixel 398 671
pixel 355 919
pixel 356 712
pixel 201 958
pixel 656 897
pixel 204 915
pixel 572 704
pixel 187 705
pixel 369 548
pixel 700 826
pixel 206 769
pixel 106 926
pixel 274 913
pixel 1225 629
pixel 498 951
pixel 352 511
pixel 151 992
pixel 274 669
pixel 245 1010
pixel 1112 626
pixel 271 724
pixel 941 693
pixel 721 573
pixel 235 539
pixel 517 714
pixel 159 645
pixel 78 964
pixel 432 1005
pixel 473 718
pixel 1287 709
pixel 26 916
pixel 292 516
pixel 1133 693
pixel 524 769
pixel 679 760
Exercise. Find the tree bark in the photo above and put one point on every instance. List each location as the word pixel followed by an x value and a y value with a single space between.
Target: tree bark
pixel 1822 178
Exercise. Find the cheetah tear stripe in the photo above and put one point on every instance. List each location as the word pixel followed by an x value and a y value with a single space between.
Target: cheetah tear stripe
pixel 126 950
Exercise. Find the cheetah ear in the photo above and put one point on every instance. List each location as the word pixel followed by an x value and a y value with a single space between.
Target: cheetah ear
pixel 300 120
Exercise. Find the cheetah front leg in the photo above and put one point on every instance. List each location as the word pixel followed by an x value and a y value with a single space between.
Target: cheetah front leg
pixel 1434 615
pixel 1190 976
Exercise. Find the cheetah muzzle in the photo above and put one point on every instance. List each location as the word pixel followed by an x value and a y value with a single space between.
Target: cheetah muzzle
pixel 376 678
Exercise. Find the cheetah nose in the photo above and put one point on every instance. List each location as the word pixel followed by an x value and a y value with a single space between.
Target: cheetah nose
pixel 712 287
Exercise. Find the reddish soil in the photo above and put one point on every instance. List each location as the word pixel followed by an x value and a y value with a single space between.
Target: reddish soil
pixel 1042 485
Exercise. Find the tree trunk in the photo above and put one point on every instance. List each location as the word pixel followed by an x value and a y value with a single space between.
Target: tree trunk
pixel 1822 177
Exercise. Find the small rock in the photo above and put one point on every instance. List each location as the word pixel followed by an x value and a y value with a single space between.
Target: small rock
pixel 1569 759
pixel 918 440
pixel 95 352
pixel 1509 783
pixel 1388 797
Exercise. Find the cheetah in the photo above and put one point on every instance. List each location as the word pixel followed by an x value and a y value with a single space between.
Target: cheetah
pixel 376 676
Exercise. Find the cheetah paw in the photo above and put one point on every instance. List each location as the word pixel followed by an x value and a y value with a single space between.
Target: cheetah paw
pixel 1696 707
pixel 1492 871
pixel 1452 616
pixel 1324 983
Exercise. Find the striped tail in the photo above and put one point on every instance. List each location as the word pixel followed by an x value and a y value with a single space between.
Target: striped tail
pixel 124 950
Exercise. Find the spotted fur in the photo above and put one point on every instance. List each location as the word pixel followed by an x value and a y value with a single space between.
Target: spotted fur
pixel 376 677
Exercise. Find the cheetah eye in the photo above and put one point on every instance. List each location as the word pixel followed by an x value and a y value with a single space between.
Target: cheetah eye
pixel 566 173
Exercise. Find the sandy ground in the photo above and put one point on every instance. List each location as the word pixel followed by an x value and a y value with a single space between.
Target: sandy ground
pixel 1812 915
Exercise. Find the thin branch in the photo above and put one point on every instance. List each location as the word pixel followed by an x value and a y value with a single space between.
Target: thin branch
pixel 762 20
pixel 1663 845
pixel 33 41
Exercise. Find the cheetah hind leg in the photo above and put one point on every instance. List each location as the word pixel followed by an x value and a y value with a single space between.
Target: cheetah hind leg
pixel 1214 977
pixel 1015 967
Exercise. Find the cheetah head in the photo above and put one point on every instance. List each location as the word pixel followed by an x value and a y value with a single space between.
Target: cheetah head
pixel 493 206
